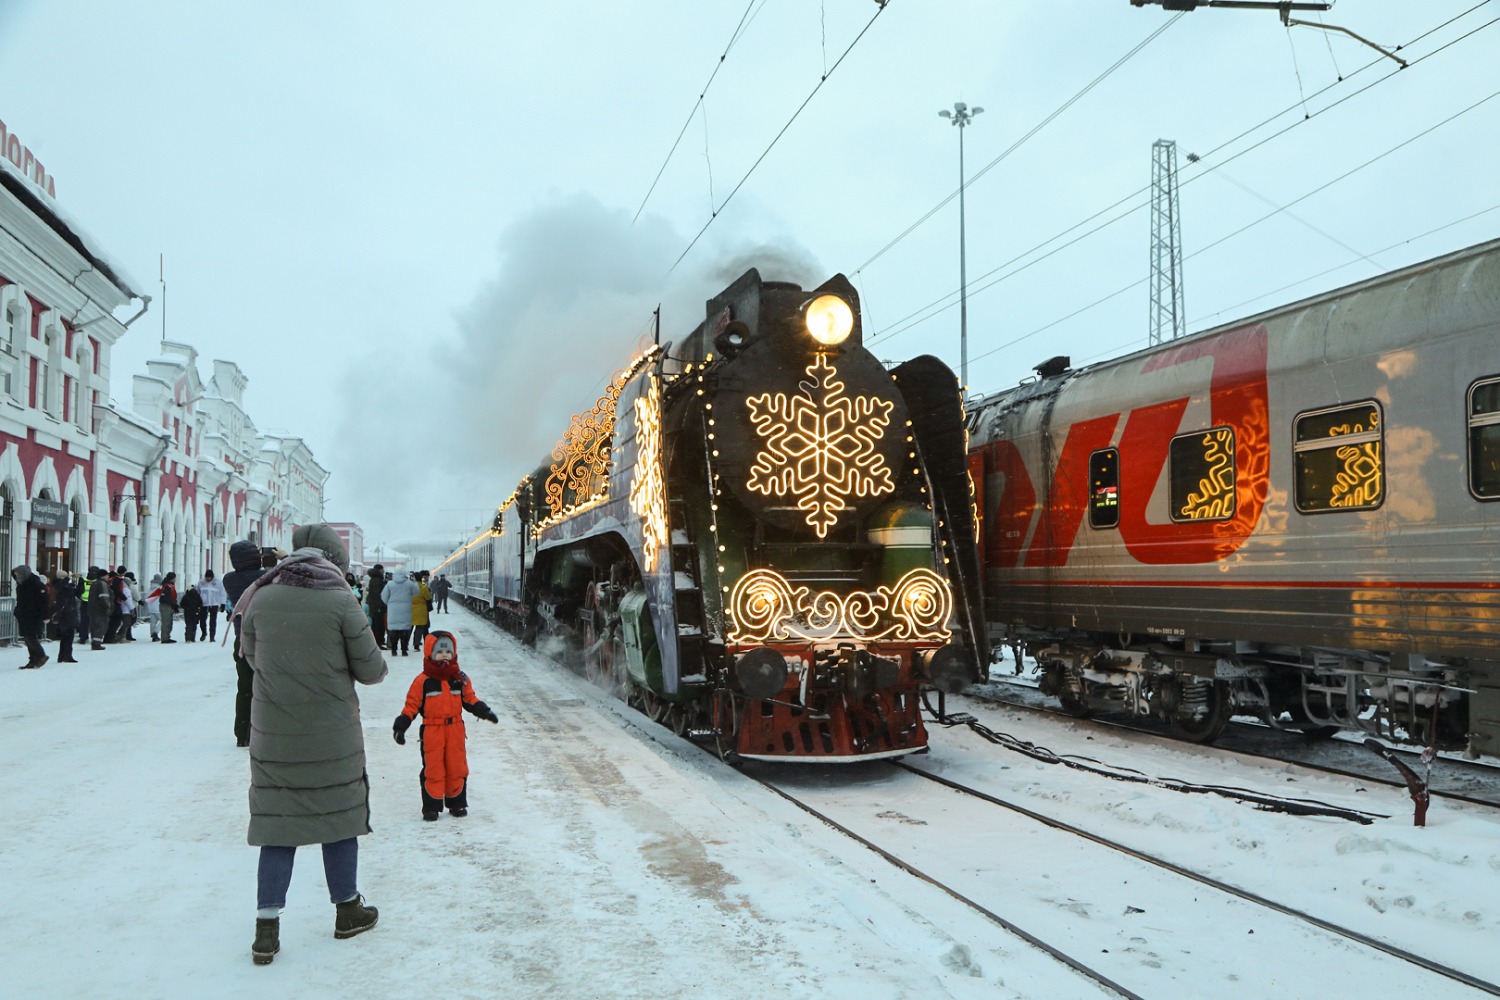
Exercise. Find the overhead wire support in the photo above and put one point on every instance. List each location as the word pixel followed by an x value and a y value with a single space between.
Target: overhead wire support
pixel 1284 8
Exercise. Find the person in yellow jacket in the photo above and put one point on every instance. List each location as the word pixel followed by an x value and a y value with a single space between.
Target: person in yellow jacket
pixel 421 606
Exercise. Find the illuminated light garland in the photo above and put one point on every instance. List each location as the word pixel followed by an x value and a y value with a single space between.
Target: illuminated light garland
pixel 766 607
pixel 648 494
pixel 821 450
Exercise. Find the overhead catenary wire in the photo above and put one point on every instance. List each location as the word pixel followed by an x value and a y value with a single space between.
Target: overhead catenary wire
pixel 739 29
pixel 1228 236
pixel 1022 140
pixel 938 306
pixel 1116 349
pixel 880 9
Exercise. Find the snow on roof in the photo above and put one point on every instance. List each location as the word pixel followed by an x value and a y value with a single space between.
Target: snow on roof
pixel 69 230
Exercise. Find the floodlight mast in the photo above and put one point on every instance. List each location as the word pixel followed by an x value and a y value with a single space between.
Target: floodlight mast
pixel 1286 16
pixel 961 116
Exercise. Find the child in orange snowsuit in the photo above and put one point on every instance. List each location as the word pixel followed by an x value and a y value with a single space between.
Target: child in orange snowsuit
pixel 439 693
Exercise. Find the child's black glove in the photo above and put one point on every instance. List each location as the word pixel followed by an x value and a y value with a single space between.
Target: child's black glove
pixel 399 728
pixel 492 717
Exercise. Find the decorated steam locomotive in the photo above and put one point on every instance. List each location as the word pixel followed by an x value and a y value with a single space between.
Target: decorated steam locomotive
pixel 759 535
pixel 1293 516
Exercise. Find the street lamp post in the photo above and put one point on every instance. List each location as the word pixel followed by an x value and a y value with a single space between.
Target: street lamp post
pixel 961 115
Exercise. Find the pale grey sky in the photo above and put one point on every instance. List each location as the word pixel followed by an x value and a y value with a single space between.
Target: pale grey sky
pixel 413 227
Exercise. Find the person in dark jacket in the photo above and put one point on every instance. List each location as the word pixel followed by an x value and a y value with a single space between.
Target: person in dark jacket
pixel 65 589
pixel 440 589
pixel 119 589
pixel 309 645
pixel 376 603
pixel 169 606
pixel 192 612
pixel 101 607
pixel 244 556
pixel 31 613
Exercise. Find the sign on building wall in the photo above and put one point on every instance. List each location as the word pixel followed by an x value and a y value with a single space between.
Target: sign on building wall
pixel 22 158
pixel 49 514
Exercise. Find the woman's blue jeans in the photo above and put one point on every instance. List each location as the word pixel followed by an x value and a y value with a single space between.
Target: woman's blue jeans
pixel 340 868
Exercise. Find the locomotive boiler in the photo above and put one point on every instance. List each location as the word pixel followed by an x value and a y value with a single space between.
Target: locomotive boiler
pixel 1293 516
pixel 758 534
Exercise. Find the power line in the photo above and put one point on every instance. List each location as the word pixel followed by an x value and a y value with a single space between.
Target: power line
pixel 714 214
pixel 738 30
pixel 1249 225
pixel 1115 350
pixel 943 303
pixel 1023 140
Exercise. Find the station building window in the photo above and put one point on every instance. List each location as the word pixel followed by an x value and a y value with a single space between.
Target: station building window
pixel 1104 488
pixel 1484 438
pixel 1201 475
pixel 1340 459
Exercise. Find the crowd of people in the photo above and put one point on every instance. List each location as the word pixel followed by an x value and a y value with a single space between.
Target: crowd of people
pixel 103 607
pixel 306 630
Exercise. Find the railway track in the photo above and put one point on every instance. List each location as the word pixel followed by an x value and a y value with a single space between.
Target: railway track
pixel 1133 951
pixel 1076 901
pixel 1453 779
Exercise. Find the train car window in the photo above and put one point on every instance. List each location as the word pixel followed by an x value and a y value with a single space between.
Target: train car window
pixel 1104 488
pixel 1201 475
pixel 1484 439
pixel 1340 459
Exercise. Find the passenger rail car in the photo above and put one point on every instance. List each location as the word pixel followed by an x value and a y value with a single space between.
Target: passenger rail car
pixel 1294 516
pixel 760 534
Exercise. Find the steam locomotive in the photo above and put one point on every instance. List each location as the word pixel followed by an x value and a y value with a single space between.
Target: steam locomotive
pixel 759 535
pixel 1293 516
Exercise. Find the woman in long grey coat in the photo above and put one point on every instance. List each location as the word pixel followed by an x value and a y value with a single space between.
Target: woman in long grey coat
pixel 307 642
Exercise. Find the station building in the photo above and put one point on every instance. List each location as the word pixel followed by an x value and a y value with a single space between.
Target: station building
pixel 167 483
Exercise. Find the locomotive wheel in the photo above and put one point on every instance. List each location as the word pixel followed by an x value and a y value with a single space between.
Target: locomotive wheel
pixel 655 708
pixel 614 663
pixel 1211 725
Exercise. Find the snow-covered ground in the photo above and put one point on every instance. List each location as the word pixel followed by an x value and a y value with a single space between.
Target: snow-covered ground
pixel 602 857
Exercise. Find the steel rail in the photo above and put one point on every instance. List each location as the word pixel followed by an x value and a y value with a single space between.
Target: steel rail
pixel 1213 883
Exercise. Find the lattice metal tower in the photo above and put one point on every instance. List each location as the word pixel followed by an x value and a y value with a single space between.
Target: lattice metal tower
pixel 1168 316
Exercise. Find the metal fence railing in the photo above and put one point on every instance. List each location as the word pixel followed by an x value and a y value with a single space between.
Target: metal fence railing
pixel 8 631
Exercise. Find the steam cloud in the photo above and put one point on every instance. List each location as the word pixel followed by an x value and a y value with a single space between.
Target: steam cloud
pixel 443 425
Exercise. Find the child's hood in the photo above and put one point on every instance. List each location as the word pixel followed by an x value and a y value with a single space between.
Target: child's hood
pixel 448 639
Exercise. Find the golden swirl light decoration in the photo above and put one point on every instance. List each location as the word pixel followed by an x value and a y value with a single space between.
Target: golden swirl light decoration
pixel 648 495
pixel 766 607
pixel 1358 481
pixel 1214 499
pixel 580 461
pixel 820 449
pixel 579 475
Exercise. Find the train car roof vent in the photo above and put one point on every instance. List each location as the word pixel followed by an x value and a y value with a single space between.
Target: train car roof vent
pixel 1054 366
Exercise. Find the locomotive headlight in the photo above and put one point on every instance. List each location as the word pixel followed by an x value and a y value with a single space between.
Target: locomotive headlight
pixel 829 319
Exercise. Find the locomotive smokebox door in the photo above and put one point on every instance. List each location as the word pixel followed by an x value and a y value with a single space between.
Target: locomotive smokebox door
pixel 818 427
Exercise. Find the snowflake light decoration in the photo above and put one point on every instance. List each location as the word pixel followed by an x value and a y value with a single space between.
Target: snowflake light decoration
pixel 820 446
